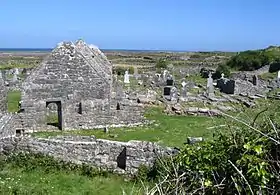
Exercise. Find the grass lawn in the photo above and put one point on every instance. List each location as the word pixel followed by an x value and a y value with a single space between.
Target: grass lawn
pixel 268 76
pixel 15 180
pixel 167 130
pixel 13 99
pixel 11 66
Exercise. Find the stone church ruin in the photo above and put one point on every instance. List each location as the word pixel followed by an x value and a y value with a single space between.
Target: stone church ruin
pixel 73 88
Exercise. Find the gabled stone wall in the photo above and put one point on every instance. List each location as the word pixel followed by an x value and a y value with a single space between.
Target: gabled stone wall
pixel 78 78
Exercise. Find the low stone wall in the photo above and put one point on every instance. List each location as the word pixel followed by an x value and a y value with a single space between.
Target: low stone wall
pixel 119 157
pixel 7 125
pixel 3 94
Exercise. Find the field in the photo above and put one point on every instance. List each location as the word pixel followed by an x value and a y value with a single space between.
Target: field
pixel 167 130
pixel 16 180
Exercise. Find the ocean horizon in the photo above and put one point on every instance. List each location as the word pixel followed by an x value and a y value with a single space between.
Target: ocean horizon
pixel 104 50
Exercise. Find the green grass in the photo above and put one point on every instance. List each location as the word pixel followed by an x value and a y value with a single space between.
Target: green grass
pixel 197 79
pixel 13 99
pixel 14 180
pixel 268 76
pixel 11 66
pixel 167 130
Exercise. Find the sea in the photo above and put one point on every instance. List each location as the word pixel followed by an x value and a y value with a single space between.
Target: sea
pixel 43 50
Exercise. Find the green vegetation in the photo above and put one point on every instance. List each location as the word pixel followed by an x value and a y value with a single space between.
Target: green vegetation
pixel 222 68
pixel 162 64
pixel 167 130
pixel 120 70
pixel 254 59
pixel 11 66
pixel 38 174
pixel 267 76
pixel 13 99
pixel 240 159
pixel 275 66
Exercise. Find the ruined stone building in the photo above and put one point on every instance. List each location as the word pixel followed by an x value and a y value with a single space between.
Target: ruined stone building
pixel 3 93
pixel 73 89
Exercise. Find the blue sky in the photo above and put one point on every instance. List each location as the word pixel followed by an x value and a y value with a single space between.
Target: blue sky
pixel 143 24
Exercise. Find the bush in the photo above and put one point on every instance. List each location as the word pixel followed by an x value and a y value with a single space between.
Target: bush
pixel 161 64
pixel 251 60
pixel 221 69
pixel 120 70
pixel 274 67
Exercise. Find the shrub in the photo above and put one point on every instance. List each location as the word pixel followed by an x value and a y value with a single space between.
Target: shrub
pixel 252 60
pixel 221 69
pixel 161 64
pixel 120 70
pixel 275 66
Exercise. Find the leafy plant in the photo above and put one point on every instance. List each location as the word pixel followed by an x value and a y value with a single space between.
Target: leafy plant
pixel 161 64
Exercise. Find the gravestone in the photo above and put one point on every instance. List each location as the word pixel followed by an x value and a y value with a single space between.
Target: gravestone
pixel 164 75
pixel 126 77
pixel 223 76
pixel 278 76
pixel 173 94
pixel 255 80
pixel 210 87
pixel 169 82
pixel 167 91
pixel 135 70
pixel 226 86
pixel 184 90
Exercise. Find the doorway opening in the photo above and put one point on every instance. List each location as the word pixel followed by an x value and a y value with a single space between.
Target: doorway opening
pixel 54 114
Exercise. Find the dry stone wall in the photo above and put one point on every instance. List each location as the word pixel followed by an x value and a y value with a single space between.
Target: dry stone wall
pixel 8 125
pixel 119 157
pixel 3 94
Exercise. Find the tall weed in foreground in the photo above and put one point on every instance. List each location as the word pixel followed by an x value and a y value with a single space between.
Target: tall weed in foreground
pixel 241 159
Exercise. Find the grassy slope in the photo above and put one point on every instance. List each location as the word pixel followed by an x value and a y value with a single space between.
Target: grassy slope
pixel 39 182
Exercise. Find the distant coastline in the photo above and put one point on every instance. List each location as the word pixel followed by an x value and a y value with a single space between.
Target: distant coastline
pixel 43 50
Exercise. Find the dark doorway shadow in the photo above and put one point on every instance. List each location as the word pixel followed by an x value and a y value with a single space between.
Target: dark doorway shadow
pixel 121 159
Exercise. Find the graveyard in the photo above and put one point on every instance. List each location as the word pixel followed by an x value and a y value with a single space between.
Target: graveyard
pixel 120 110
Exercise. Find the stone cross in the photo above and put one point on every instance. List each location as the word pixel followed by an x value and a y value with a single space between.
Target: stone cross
pixel 126 77
pixel 184 90
pixel 210 87
pixel 183 84
pixel 223 75
pixel 16 72
pixel 164 74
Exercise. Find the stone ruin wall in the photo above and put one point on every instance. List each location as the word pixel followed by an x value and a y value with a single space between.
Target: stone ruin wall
pixel 80 77
pixel 119 157
pixel 3 95
pixel 8 125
